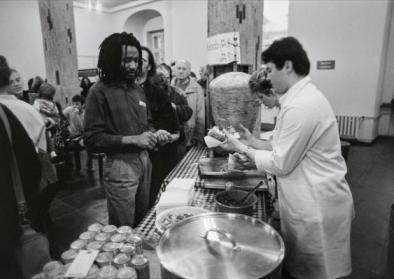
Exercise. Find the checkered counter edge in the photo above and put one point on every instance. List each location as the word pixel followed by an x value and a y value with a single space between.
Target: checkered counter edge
pixel 202 197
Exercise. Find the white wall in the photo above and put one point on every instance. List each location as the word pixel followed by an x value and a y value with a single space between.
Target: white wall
pixel 21 37
pixel 151 25
pixel 189 21
pixel 91 28
pixel 388 84
pixel 351 34
pixel 185 28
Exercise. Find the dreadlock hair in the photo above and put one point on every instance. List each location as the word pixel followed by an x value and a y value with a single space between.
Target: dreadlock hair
pixel 5 72
pixel 151 62
pixel 168 68
pixel 110 56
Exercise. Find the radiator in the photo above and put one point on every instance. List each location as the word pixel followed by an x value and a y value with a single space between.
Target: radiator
pixel 348 126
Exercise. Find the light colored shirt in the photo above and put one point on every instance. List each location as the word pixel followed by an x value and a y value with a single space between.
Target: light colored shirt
pixel 30 119
pixel 315 202
pixel 75 118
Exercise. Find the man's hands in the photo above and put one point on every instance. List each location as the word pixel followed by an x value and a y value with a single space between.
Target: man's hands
pixel 232 144
pixel 246 136
pixel 163 137
pixel 146 140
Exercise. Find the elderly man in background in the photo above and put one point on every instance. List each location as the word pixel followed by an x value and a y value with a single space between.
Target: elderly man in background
pixel 195 126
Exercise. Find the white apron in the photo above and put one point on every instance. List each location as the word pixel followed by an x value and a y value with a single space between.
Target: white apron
pixel 315 202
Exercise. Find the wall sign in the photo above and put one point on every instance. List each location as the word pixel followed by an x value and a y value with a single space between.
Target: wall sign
pixel 224 48
pixel 326 65
pixel 88 72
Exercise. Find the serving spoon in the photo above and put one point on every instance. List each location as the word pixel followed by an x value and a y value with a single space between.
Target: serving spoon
pixel 250 193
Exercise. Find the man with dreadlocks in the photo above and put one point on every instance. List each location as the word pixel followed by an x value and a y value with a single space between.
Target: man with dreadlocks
pixel 116 122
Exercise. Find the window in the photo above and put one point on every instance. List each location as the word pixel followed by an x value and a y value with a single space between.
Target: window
pixel 156 42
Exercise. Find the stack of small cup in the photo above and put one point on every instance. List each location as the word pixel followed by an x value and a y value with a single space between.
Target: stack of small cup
pixel 116 247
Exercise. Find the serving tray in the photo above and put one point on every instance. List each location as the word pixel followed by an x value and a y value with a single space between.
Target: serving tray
pixel 217 167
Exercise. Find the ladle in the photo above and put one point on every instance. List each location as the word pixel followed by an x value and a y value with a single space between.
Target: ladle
pixel 250 193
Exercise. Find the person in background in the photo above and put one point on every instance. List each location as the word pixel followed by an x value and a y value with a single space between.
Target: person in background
pixel 195 126
pixel 23 144
pixel 85 86
pixel 193 75
pixel 261 86
pixel 315 202
pixel 49 112
pixel 183 112
pixel 164 121
pixel 75 114
pixel 16 86
pixel 116 122
pixel 33 90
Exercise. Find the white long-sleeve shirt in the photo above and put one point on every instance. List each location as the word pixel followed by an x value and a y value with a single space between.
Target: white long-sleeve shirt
pixel 315 202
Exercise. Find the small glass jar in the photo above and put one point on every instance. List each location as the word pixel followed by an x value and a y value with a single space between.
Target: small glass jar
pixel 104 258
pixel 53 268
pixel 112 247
pixel 94 245
pixel 69 256
pixel 128 249
pixel 78 244
pixel 96 228
pixel 133 238
pixel 111 229
pixel 108 272
pixel 118 237
pixel 87 236
pixel 127 273
pixel 102 237
pixel 121 260
pixel 125 230
pixel 93 272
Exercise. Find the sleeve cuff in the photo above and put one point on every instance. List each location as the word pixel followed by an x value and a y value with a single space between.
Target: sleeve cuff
pixel 263 160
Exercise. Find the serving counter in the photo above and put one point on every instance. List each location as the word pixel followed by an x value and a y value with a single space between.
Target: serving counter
pixel 202 196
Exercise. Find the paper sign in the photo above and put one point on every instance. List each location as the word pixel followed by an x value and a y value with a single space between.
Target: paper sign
pixel 81 264
pixel 326 65
pixel 224 48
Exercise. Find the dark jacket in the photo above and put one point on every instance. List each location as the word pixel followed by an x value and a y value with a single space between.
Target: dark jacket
pixel 163 115
pixel 30 172
pixel 111 113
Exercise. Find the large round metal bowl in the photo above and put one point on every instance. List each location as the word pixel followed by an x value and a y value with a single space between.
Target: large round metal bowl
pixel 221 246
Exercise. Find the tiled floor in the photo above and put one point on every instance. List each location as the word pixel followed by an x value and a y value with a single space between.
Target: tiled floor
pixel 370 175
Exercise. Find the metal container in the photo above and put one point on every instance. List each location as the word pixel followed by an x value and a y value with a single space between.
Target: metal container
pixel 221 245
pixel 223 200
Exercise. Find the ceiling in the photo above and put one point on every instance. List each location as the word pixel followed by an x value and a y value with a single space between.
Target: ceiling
pixel 106 4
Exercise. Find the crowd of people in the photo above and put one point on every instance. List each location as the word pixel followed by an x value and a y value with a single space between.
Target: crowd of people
pixel 145 117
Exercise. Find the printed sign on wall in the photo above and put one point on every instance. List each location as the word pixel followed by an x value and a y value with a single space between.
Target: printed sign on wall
pixel 224 48
pixel 326 65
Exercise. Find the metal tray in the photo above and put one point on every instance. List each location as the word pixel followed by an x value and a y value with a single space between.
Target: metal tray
pixel 217 167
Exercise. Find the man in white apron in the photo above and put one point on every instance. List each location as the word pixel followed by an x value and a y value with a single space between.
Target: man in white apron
pixel 315 202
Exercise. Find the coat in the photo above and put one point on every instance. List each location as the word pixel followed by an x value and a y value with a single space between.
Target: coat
pixel 195 127
pixel 315 202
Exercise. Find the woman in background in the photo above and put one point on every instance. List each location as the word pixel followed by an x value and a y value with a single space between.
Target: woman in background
pixel 85 86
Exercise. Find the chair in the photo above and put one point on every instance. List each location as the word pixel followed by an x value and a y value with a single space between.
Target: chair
pixel 100 158
pixel 74 147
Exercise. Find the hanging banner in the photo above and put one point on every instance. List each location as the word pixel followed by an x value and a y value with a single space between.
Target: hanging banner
pixel 224 48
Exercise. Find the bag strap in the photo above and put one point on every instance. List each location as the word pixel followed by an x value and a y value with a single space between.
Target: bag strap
pixel 15 174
